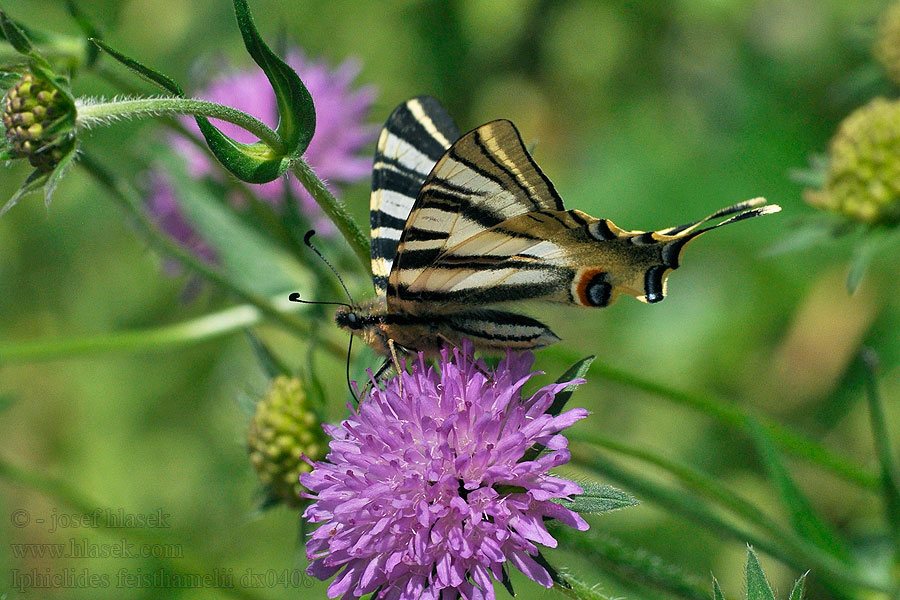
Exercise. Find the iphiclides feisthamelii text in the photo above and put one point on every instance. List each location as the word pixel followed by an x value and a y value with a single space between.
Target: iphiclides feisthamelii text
pixel 460 223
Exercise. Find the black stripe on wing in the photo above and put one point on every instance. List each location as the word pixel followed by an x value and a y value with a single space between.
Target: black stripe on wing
pixel 414 137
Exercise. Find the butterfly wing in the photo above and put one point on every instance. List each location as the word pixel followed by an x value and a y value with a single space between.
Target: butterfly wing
pixel 565 256
pixel 413 139
pixel 485 178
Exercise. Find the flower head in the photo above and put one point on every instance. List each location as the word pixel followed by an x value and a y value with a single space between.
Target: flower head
pixel 341 132
pixel 429 489
pixel 284 429
pixel 863 175
pixel 39 122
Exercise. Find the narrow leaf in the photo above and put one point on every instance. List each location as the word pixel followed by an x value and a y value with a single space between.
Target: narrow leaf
pixel 599 498
pixel 717 591
pixel 797 591
pixel 860 261
pixel 250 260
pixel 143 71
pixel 758 587
pixel 576 371
pixel 804 519
pixel 884 448
pixel 270 363
pixel 32 183
pixel 15 35
pixel 628 564
pixel 295 105
pixel 7 81
pixel 253 163
pixel 56 175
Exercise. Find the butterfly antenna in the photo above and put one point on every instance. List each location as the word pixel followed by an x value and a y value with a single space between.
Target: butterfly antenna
pixel 307 239
pixel 349 385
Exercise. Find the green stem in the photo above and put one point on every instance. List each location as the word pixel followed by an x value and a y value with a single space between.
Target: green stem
pixel 577 589
pixel 890 471
pixel 631 566
pixel 66 494
pixel 678 502
pixel 735 418
pixel 194 331
pixel 335 211
pixel 91 115
pixel 130 201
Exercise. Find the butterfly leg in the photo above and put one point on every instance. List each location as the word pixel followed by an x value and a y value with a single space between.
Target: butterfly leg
pixel 396 362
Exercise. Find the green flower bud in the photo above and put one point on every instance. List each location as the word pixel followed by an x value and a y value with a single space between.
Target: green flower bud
pixel 39 123
pixel 283 430
pixel 863 176
pixel 887 42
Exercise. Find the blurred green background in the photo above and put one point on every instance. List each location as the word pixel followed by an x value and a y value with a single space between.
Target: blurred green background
pixel 647 113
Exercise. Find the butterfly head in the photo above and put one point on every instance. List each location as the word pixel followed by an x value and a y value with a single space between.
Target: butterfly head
pixel 349 317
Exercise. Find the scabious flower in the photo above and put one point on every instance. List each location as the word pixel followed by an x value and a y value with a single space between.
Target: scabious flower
pixel 283 430
pixel 333 153
pixel 862 180
pixel 429 490
pixel 39 122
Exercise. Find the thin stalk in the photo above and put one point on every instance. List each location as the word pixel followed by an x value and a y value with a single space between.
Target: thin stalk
pixel 128 199
pixel 702 485
pixel 160 339
pixel 632 566
pixel 675 501
pixel 887 457
pixel 335 210
pixel 91 115
pixel 68 495
pixel 735 418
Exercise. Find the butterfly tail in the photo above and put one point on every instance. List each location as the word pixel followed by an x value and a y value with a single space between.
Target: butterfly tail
pixel 673 240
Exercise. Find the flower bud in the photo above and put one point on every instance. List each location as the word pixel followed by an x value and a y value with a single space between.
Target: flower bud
pixel 40 125
pixel 283 430
pixel 862 180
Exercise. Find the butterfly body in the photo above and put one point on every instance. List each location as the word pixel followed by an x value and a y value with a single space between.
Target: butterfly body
pixel 462 223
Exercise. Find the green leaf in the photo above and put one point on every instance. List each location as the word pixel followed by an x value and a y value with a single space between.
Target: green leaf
pixel 577 371
pixel 33 183
pixel 717 591
pixel 797 591
pixel 88 28
pixel 804 519
pixel 143 71
pixel 15 35
pixel 884 447
pixel 253 163
pixel 250 260
pixel 757 585
pixel 295 105
pixel 56 175
pixel 599 498
pixel 8 81
pixel 860 261
pixel 270 363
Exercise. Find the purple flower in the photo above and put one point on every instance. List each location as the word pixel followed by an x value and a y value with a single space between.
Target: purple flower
pixel 426 493
pixel 333 153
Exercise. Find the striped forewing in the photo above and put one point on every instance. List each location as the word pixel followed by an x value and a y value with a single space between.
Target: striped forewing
pixel 414 138
pixel 486 177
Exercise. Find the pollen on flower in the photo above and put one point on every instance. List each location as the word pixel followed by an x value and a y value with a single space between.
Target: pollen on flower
pixel 428 490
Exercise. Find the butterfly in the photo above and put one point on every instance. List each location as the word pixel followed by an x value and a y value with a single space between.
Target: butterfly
pixel 463 222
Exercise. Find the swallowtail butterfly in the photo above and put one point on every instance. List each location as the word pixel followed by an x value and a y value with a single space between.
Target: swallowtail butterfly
pixel 460 223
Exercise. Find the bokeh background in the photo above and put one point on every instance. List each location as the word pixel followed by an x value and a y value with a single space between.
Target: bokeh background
pixel 647 113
